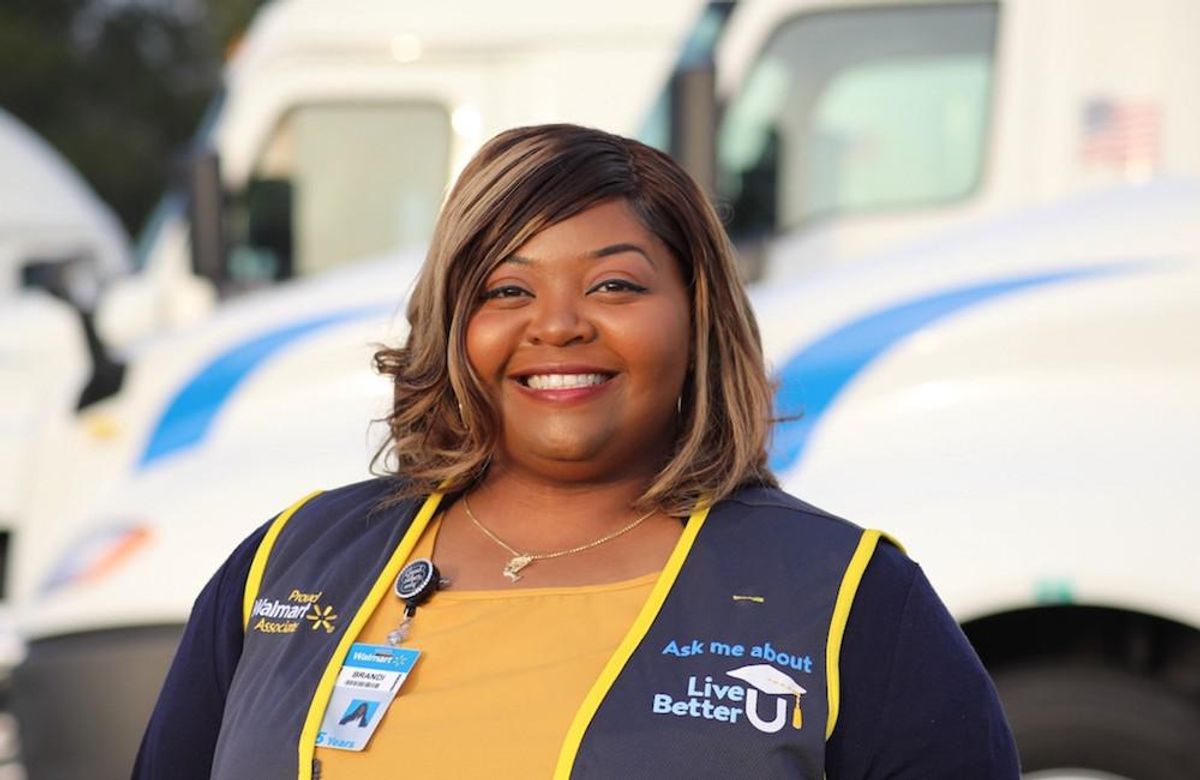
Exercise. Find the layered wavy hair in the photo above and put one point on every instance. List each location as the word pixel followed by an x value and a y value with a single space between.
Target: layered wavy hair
pixel 443 426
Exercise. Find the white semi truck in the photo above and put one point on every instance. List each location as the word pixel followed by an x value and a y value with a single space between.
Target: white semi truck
pixel 59 245
pixel 974 234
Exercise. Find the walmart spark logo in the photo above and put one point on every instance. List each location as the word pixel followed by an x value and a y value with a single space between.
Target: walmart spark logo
pixel 321 617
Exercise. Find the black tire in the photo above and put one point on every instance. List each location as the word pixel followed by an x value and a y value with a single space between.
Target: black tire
pixel 1104 720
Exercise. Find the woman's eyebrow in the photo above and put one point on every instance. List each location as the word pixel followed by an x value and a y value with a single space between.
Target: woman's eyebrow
pixel 612 249
pixel 616 249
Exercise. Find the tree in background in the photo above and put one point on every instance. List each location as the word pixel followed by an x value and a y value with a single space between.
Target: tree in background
pixel 117 86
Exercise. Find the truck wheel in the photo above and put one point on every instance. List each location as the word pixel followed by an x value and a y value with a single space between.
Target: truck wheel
pixel 1080 722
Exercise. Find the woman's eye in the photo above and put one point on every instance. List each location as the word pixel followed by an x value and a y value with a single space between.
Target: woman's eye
pixel 504 291
pixel 618 285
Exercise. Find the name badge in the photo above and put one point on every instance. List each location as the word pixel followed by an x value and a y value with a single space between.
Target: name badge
pixel 368 681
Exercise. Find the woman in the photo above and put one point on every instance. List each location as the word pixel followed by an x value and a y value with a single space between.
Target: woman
pixel 578 445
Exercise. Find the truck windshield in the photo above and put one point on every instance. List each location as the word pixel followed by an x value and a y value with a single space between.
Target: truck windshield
pixel 855 111
pixel 338 182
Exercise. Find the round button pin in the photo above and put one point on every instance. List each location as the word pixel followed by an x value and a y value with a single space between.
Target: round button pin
pixel 417 581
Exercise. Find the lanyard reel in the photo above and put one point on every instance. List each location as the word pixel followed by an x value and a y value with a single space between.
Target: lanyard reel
pixel 415 584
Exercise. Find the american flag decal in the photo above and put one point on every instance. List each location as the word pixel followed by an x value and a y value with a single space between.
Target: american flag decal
pixel 1122 134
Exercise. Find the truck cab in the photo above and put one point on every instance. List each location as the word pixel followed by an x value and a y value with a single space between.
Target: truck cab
pixel 337 134
pixel 972 229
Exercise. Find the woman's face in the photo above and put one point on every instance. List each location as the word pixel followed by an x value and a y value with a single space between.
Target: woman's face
pixel 582 338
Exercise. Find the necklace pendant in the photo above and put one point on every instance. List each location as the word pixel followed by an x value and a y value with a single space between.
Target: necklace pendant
pixel 512 569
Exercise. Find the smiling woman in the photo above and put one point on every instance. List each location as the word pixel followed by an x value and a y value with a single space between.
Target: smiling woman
pixel 578 564
pixel 559 227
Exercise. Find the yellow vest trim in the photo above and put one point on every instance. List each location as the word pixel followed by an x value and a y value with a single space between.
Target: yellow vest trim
pixel 259 565
pixel 637 632
pixel 841 613
pixel 316 710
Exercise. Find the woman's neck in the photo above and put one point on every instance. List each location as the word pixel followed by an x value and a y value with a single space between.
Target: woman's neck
pixel 592 527
pixel 546 511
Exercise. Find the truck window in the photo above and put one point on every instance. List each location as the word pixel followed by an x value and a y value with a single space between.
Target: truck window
pixel 855 111
pixel 338 182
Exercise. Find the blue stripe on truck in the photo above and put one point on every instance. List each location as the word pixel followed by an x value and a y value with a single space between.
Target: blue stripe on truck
pixel 191 413
pixel 811 381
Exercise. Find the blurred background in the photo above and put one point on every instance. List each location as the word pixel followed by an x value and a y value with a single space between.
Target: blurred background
pixel 971 232
pixel 117 87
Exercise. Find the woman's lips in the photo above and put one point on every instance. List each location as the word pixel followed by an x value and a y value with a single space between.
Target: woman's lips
pixel 564 386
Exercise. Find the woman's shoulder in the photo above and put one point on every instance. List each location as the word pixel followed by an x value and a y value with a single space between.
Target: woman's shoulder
pixel 764 503
pixel 363 499
pixel 769 517
pixel 348 509
pixel 368 491
pixel 777 501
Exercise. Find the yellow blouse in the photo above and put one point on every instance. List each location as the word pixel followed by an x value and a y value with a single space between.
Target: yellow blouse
pixel 499 679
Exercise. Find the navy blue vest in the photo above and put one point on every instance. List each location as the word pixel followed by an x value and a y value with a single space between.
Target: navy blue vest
pixel 729 671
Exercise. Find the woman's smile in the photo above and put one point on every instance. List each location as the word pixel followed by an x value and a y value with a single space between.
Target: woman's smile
pixel 582 337
pixel 552 381
pixel 563 377
pixel 564 384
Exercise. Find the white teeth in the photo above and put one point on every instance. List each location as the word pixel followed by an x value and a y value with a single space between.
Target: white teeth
pixel 563 381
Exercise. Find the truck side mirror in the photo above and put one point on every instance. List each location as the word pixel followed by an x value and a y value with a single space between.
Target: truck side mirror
pixel 73 281
pixel 206 213
pixel 261 234
pixel 694 111
pixel 694 120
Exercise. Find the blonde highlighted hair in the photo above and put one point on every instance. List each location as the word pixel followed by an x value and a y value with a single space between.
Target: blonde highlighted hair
pixel 443 427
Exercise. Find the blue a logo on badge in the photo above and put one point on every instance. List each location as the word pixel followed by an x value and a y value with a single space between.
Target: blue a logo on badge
pixel 359 713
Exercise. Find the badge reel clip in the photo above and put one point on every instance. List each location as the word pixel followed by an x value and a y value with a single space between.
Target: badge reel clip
pixel 416 584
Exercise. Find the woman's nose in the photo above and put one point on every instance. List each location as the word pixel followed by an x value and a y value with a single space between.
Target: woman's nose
pixel 559 320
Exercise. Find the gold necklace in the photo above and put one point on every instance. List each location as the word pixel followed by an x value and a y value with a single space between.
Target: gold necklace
pixel 520 560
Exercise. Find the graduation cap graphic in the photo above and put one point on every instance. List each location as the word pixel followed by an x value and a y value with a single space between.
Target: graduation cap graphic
pixel 768 679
